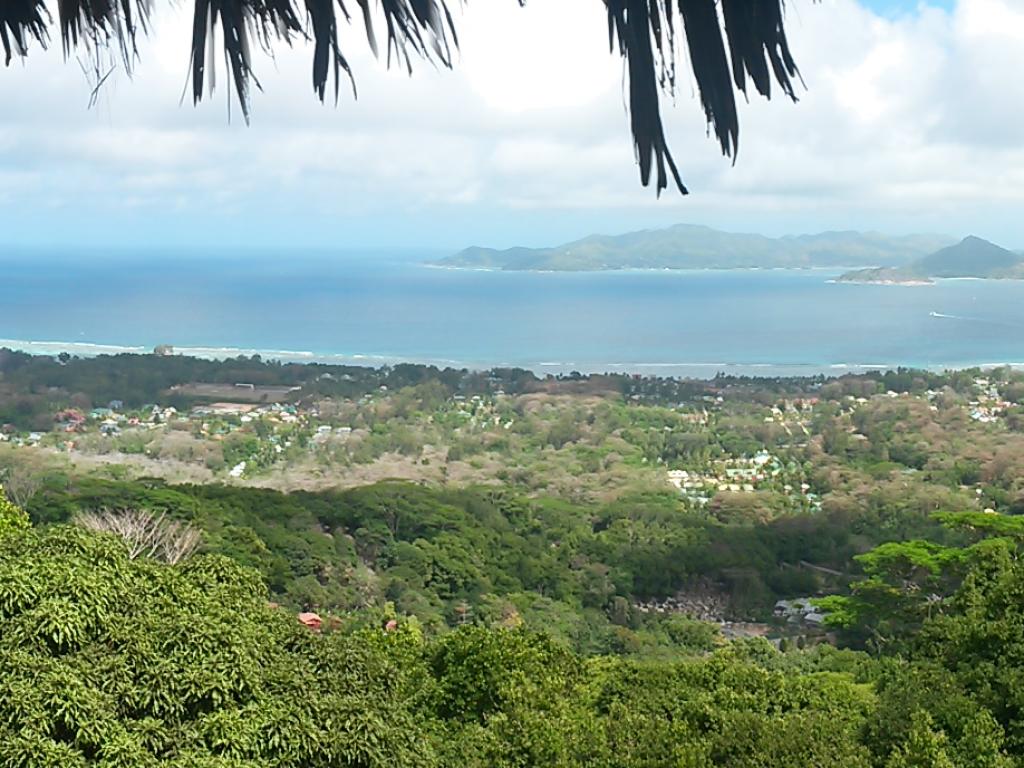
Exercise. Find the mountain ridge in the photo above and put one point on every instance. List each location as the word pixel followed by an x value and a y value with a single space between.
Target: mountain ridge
pixel 694 246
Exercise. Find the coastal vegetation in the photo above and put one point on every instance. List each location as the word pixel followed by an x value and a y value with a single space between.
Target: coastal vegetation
pixel 611 571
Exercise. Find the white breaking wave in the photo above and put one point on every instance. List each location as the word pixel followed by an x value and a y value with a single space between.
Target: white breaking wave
pixel 678 368
pixel 72 347
pixel 91 349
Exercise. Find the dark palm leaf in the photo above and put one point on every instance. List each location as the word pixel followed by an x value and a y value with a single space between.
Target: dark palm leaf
pixel 325 48
pixel 711 70
pixel 101 24
pixel 19 20
pixel 643 31
pixel 240 21
pixel 631 23
pixel 755 30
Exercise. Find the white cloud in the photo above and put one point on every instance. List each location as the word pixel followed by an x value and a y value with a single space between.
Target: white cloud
pixel 518 61
pixel 909 123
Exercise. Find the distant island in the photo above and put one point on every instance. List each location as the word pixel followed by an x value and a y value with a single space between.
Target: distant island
pixel 687 246
pixel 971 257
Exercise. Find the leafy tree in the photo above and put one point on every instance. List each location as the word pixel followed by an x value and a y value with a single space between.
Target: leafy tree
pixel 905 584
pixel 480 672
pixel 924 748
pixel 12 518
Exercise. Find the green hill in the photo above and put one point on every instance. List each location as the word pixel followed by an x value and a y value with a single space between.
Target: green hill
pixel 971 257
pixel 686 246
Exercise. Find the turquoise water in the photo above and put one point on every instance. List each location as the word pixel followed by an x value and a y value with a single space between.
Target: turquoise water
pixel 388 307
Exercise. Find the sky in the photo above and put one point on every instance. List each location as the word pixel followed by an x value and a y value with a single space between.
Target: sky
pixel 912 121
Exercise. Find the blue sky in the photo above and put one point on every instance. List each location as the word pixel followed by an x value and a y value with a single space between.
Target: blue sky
pixel 893 7
pixel 911 122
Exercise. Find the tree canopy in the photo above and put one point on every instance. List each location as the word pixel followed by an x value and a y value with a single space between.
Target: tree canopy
pixel 730 43
pixel 105 660
pixel 109 661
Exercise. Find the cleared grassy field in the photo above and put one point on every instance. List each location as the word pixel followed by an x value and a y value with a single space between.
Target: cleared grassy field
pixel 244 393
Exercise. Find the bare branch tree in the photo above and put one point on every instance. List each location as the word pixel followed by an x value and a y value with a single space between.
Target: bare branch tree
pixel 145 534
pixel 180 541
pixel 21 484
pixel 134 527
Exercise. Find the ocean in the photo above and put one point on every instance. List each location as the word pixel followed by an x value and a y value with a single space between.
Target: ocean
pixel 383 308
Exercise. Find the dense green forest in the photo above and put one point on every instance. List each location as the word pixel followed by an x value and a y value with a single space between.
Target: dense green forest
pixel 576 570
pixel 488 556
pixel 106 660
